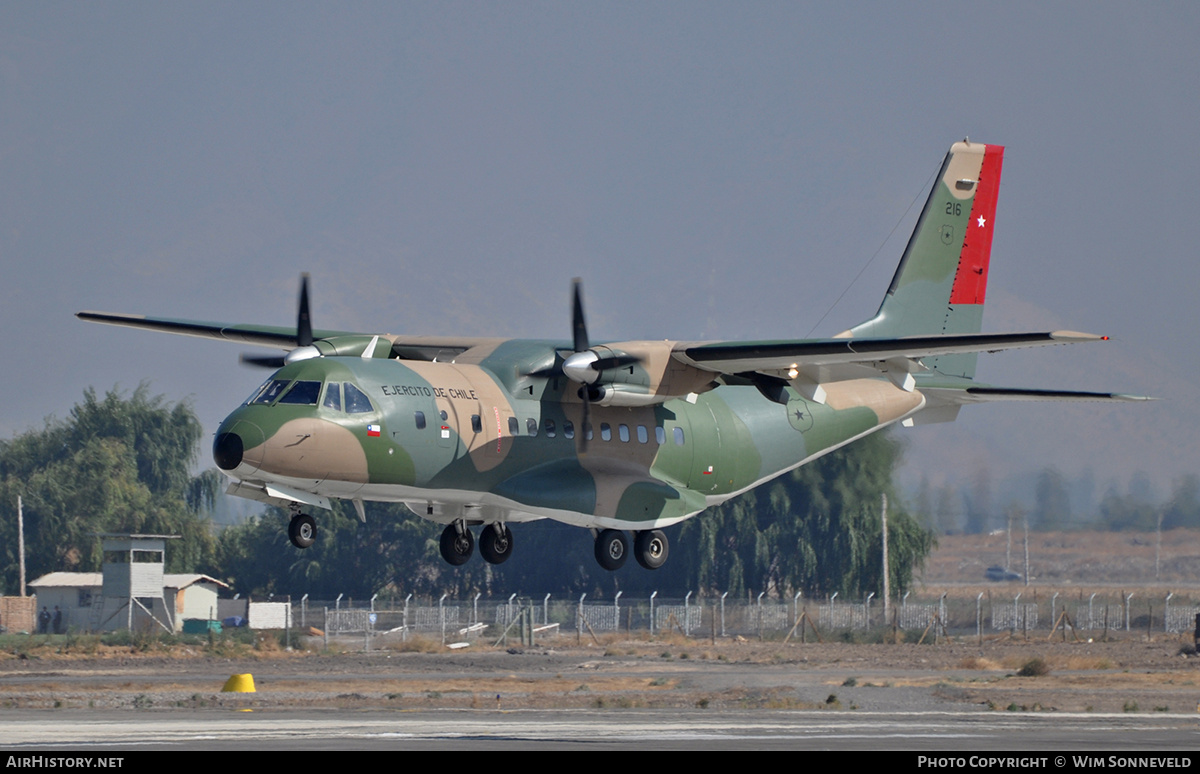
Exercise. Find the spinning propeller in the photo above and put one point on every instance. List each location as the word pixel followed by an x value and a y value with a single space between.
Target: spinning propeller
pixel 304 338
pixel 584 366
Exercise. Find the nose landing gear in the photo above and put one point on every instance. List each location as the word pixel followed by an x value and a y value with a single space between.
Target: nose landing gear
pixel 302 530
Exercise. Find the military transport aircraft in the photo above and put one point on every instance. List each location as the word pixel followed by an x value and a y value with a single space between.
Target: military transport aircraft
pixel 619 436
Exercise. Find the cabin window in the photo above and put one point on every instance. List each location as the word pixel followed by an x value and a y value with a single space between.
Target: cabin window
pixel 642 436
pixel 660 435
pixel 476 424
pixel 587 431
pixel 443 415
pixel 419 417
pixel 623 431
pixel 551 430
pixel 302 394
pixel 269 393
pixel 568 429
pixel 679 436
pixel 605 431
pixel 514 426
pixel 333 396
pixel 531 426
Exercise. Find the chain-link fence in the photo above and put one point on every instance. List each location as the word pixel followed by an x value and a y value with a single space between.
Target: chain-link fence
pixel 540 618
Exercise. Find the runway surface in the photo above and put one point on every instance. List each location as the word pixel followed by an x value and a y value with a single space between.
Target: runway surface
pixel 74 730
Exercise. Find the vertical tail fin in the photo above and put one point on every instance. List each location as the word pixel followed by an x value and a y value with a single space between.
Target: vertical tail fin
pixel 940 284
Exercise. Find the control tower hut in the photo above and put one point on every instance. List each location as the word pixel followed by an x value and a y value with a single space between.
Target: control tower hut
pixel 132 591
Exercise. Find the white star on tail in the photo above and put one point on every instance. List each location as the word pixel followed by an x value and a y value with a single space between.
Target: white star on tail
pixel 981 221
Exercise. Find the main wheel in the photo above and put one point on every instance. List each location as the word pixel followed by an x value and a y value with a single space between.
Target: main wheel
pixel 651 549
pixel 456 548
pixel 495 544
pixel 612 548
pixel 302 530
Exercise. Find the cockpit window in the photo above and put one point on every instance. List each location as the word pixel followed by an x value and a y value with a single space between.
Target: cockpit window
pixel 356 401
pixel 333 397
pixel 272 390
pixel 302 394
pixel 257 391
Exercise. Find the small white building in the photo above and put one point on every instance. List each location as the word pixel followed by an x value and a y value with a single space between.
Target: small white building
pixel 80 597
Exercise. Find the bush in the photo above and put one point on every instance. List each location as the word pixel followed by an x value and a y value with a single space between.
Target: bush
pixel 1034 667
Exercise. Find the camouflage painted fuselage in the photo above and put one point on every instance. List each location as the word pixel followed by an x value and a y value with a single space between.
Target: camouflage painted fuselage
pixel 460 442
pixel 631 435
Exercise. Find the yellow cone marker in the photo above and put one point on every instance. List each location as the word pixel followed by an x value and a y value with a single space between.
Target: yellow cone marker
pixel 239 684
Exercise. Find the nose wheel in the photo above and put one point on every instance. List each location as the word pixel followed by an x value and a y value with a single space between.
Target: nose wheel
pixel 302 530
pixel 457 543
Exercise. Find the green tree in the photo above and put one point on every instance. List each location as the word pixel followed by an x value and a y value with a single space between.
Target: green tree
pixel 116 464
pixel 1052 502
pixel 816 529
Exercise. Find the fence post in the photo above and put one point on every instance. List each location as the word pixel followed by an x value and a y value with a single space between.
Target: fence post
pixel 652 596
pixel 1127 609
pixel 1167 610
pixel 867 607
pixel 687 629
pixel 979 618
pixel 725 594
pixel 404 634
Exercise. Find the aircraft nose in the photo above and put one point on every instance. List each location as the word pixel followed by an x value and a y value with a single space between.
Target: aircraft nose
pixel 238 447
pixel 227 451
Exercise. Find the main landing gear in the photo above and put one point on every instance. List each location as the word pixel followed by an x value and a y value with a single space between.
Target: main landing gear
pixel 495 543
pixel 457 543
pixel 302 530
pixel 650 548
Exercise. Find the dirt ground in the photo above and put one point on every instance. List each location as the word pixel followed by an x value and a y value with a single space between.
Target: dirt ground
pixel 1133 674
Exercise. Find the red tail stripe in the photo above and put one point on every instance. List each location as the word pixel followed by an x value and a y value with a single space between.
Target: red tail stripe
pixel 970 283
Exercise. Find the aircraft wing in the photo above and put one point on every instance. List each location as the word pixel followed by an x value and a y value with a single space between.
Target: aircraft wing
pixel 280 337
pixel 812 354
pixel 284 337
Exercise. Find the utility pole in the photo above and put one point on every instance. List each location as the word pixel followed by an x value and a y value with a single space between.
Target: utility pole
pixel 887 595
pixel 21 543
pixel 1025 519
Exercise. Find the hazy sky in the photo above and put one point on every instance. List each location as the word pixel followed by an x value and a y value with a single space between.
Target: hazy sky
pixel 711 170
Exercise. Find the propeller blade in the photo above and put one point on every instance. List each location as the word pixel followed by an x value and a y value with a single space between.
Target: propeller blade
pixel 304 336
pixel 585 427
pixel 578 325
pixel 616 361
pixel 262 361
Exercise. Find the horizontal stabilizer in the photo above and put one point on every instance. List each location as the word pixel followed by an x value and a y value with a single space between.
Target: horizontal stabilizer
pixel 986 394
